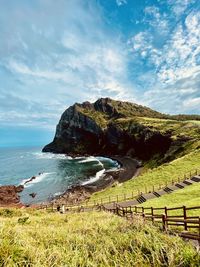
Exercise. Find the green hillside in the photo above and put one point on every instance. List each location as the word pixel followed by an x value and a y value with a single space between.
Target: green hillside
pixel 189 197
pixel 34 238
pixel 156 177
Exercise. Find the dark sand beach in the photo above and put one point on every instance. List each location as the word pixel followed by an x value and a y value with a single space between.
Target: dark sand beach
pixel 129 168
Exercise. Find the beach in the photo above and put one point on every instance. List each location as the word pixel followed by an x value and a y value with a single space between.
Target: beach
pixel 129 168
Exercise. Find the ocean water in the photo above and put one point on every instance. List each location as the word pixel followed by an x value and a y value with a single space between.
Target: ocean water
pixel 54 172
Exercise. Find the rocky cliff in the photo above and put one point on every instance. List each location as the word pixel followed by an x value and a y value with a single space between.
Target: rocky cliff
pixel 109 127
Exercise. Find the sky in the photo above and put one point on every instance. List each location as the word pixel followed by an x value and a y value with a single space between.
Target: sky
pixel 56 53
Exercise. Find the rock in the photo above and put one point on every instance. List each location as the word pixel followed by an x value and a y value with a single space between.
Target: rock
pixel 9 195
pixel 19 188
pixel 91 129
pixel 33 195
pixel 31 179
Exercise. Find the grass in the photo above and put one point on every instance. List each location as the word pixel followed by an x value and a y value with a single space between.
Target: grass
pixel 189 197
pixel 174 127
pixel 100 118
pixel 155 177
pixel 36 238
pixel 195 122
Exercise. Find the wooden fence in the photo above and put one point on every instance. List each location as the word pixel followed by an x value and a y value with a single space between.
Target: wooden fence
pixel 131 195
pixel 146 189
pixel 178 220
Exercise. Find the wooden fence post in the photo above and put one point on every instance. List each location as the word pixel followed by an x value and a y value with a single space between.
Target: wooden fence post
pixel 117 210
pixel 152 214
pixel 123 211
pixel 199 230
pixel 185 218
pixel 164 222
pixel 143 214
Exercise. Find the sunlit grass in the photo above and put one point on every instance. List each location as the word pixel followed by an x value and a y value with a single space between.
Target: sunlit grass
pixel 155 177
pixel 189 197
pixel 87 239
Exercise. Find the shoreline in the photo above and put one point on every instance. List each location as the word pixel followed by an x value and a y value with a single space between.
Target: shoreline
pixel 128 169
pixel 9 196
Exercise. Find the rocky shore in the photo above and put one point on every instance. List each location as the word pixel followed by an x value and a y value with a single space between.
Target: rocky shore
pixel 9 195
pixel 129 168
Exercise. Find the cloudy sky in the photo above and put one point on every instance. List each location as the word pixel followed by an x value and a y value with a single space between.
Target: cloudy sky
pixel 55 53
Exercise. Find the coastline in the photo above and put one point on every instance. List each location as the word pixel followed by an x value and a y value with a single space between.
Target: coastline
pixel 129 168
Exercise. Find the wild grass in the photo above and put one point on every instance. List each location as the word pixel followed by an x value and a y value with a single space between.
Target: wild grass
pixel 87 239
pixel 188 196
pixel 156 177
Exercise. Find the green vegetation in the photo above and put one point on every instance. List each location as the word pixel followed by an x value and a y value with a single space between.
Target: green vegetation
pixel 189 197
pixel 155 177
pixel 37 238
pixel 127 109
pixel 100 118
pixel 40 238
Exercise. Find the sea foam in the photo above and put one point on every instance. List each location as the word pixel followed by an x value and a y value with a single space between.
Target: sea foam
pixel 41 155
pixel 92 159
pixel 94 179
pixel 37 179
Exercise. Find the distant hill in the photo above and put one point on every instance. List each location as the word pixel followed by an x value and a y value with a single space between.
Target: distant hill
pixel 109 127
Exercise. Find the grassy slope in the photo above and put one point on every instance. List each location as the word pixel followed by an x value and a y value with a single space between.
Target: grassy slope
pixel 189 197
pixel 87 239
pixel 161 175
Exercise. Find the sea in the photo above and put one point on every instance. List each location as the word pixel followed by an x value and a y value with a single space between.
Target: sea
pixel 53 173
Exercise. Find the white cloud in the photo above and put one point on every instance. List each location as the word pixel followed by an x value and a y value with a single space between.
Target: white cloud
pixel 192 103
pixel 68 55
pixel 155 19
pixel 174 67
pixel 121 2
pixel 177 59
pixel 178 7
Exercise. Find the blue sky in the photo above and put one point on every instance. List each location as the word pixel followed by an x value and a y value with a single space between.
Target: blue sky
pixel 55 53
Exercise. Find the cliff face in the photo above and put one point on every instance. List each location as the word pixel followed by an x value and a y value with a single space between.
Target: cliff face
pixel 97 128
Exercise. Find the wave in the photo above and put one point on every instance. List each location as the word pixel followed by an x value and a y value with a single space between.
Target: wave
pixel 100 163
pixel 58 194
pixel 92 159
pixel 28 182
pixel 94 179
pixel 41 155
pixel 110 160
pixel 89 159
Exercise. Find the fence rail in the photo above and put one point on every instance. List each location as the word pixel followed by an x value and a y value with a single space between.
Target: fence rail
pixel 190 224
pixel 131 195
pixel 123 197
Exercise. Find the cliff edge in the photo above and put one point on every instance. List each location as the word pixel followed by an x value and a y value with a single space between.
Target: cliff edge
pixel 109 127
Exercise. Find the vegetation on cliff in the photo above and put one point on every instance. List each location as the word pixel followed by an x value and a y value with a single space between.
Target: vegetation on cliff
pixel 110 127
